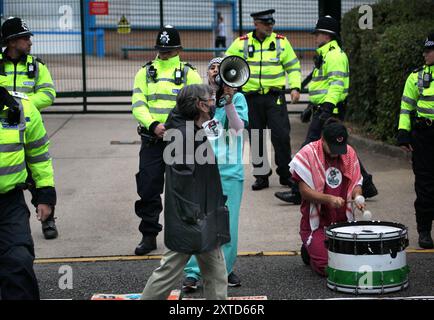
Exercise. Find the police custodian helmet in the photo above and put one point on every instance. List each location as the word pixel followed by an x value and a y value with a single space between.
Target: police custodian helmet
pixel 327 24
pixel 168 39
pixel 14 27
pixel 429 42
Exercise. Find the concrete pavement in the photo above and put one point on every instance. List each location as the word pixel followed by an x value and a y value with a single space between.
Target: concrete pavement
pixel 95 183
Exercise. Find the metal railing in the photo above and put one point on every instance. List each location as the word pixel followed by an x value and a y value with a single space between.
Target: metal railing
pixel 93 56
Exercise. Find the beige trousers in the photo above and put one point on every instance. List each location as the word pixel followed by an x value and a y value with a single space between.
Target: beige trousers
pixel 168 275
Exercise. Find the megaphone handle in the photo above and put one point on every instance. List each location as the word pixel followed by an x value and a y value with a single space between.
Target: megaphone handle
pixel 223 101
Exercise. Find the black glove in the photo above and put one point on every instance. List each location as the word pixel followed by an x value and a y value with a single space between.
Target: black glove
pixel 306 114
pixel 326 111
pixel 403 138
pixel 13 115
pixel 13 112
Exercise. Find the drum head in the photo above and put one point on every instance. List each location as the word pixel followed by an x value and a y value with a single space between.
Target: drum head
pixel 366 230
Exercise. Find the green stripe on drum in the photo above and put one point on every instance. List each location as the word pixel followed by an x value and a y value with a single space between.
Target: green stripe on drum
pixel 353 263
pixel 374 279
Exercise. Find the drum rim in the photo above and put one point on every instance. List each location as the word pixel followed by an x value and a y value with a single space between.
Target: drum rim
pixel 375 290
pixel 367 237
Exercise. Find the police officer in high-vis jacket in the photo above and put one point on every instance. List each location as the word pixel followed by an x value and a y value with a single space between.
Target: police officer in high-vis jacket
pixel 328 90
pixel 156 86
pixel 416 135
pixel 271 60
pixel 23 142
pixel 22 72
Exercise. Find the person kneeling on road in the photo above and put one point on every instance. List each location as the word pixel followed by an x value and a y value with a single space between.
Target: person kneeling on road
pixel 328 174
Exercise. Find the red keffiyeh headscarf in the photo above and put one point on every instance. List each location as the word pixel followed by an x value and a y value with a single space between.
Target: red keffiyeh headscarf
pixel 309 164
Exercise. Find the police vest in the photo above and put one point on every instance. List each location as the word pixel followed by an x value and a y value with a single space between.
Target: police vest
pixel 418 96
pixel 156 86
pixel 330 77
pixel 29 76
pixel 26 142
pixel 269 61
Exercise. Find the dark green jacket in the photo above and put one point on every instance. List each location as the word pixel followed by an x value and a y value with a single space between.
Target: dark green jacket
pixel 196 219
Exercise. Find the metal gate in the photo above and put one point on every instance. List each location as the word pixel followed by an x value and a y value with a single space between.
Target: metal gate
pixel 93 49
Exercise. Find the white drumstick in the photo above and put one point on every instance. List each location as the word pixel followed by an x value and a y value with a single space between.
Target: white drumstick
pixel 359 199
pixel 367 215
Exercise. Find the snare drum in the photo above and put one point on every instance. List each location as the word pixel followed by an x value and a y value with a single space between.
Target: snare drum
pixel 367 257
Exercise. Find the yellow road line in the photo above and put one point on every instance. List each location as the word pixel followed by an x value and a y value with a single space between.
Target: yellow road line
pixel 268 253
pixel 419 250
pixel 154 257
pixel 98 259
pixel 158 257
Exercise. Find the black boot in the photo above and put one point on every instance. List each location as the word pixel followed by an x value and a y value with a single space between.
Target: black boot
pixel 425 240
pixel 148 244
pixel 305 255
pixel 49 228
pixel 260 183
pixel 289 197
pixel 368 188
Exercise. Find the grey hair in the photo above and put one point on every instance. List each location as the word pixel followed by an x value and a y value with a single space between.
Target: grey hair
pixel 189 96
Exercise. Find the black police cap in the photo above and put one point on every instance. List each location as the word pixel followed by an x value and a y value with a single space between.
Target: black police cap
pixel 14 27
pixel 429 42
pixel 327 24
pixel 265 16
pixel 168 39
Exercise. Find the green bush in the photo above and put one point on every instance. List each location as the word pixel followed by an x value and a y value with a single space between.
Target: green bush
pixel 392 54
pixel 381 59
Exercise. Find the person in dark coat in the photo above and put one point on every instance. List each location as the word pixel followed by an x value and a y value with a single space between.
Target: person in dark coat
pixel 196 219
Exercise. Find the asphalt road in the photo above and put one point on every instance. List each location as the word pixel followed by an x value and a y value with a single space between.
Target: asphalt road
pixel 277 277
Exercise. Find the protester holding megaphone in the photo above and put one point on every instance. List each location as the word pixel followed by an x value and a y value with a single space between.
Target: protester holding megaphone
pixel 230 118
pixel 232 72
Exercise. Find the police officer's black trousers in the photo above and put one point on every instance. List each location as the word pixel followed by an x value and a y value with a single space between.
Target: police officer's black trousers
pixel 423 167
pixel 314 134
pixel 269 110
pixel 314 130
pixel 150 183
pixel 316 124
pixel 17 278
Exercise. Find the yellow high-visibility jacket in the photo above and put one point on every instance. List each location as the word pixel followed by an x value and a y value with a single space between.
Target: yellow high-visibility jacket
pixel 330 82
pixel 21 144
pixel 29 76
pixel 153 99
pixel 269 61
pixel 416 98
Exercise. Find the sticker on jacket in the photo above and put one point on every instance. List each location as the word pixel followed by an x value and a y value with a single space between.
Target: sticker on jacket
pixel 333 177
pixel 213 129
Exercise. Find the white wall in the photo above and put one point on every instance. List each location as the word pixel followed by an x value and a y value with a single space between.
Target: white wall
pixel 55 23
